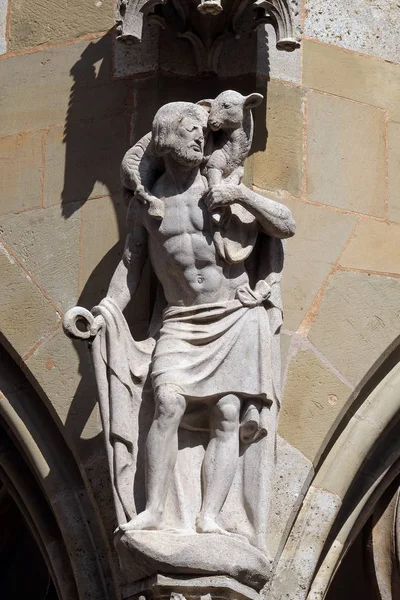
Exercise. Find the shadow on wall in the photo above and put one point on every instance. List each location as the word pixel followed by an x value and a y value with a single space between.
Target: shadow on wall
pixel 96 132
pixel 96 136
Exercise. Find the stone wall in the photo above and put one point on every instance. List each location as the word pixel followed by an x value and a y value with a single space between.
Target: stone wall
pixel 333 156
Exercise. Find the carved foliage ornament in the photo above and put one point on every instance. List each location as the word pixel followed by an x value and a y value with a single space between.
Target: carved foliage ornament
pixel 208 23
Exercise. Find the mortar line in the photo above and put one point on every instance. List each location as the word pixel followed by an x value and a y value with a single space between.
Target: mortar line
pixel 30 275
pixel 360 102
pixel 302 343
pixel 119 113
pixel 305 200
pixel 312 312
pixel 22 210
pixel 368 272
pixel 348 51
pixel 53 45
pixel 46 336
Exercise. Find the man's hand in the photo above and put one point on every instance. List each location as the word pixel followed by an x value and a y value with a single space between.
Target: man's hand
pixel 219 196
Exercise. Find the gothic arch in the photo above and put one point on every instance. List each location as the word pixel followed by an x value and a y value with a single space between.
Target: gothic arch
pixel 360 462
pixel 38 471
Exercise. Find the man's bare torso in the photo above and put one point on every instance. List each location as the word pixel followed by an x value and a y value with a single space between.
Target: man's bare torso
pixel 183 253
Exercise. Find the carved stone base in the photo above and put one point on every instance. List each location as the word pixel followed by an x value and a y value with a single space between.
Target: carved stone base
pixel 161 587
pixel 143 553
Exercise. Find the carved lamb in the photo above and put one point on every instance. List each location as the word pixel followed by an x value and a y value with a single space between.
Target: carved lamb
pixel 231 121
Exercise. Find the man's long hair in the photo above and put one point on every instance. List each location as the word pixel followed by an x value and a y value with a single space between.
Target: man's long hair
pixel 167 119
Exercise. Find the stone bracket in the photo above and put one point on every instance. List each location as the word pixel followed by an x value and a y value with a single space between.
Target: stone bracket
pixel 208 24
pixel 161 587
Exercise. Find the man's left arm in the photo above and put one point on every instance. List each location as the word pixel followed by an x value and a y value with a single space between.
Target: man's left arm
pixel 274 218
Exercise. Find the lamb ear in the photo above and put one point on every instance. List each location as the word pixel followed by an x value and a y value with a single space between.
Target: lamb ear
pixel 253 100
pixel 206 104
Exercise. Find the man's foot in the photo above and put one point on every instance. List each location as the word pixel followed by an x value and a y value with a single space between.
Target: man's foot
pixel 146 520
pixel 208 525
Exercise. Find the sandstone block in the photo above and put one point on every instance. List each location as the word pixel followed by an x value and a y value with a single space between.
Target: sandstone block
pixel 63 371
pixel 312 400
pixel 370 28
pixel 279 167
pixel 25 314
pixel 320 235
pixel 293 470
pixel 361 78
pixel 59 87
pixel 20 172
pixel 48 246
pixel 34 23
pixel 85 162
pixel 103 236
pixel 346 154
pixel 374 247
pixel 394 172
pixel 362 311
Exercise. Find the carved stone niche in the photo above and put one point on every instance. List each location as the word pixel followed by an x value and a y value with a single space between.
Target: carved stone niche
pixel 160 33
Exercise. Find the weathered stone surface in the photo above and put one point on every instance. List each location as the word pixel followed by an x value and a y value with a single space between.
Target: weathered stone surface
pixel 285 345
pixel 209 516
pixel 312 400
pixel 20 172
pixel 59 87
pixel 374 247
pixel 293 472
pixel 320 235
pixel 131 59
pixel 367 27
pixel 85 162
pixel 297 565
pixel 35 23
pixel 48 246
pixel 361 78
pixel 204 44
pixel 362 311
pixel 143 553
pixel 25 314
pixel 64 374
pixel 346 154
pixel 103 227
pixel 394 171
pixel 191 588
pixel 285 66
pixel 280 166
pixel 3 26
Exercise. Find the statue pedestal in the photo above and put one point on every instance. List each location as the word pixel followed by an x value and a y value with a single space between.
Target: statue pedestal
pixel 160 587
pixel 144 553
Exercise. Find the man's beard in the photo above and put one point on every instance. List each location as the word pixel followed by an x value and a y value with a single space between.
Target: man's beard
pixel 187 157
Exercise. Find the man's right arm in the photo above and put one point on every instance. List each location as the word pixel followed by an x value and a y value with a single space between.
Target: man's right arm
pixel 126 278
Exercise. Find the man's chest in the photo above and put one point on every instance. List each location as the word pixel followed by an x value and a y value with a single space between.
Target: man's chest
pixel 183 214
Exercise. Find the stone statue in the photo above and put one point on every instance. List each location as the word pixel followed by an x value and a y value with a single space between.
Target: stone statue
pixel 191 410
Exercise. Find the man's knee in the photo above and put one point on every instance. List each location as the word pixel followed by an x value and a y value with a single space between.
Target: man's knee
pixel 170 404
pixel 227 412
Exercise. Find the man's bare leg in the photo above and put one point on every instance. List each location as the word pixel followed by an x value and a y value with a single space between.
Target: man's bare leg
pixel 220 462
pixel 161 454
